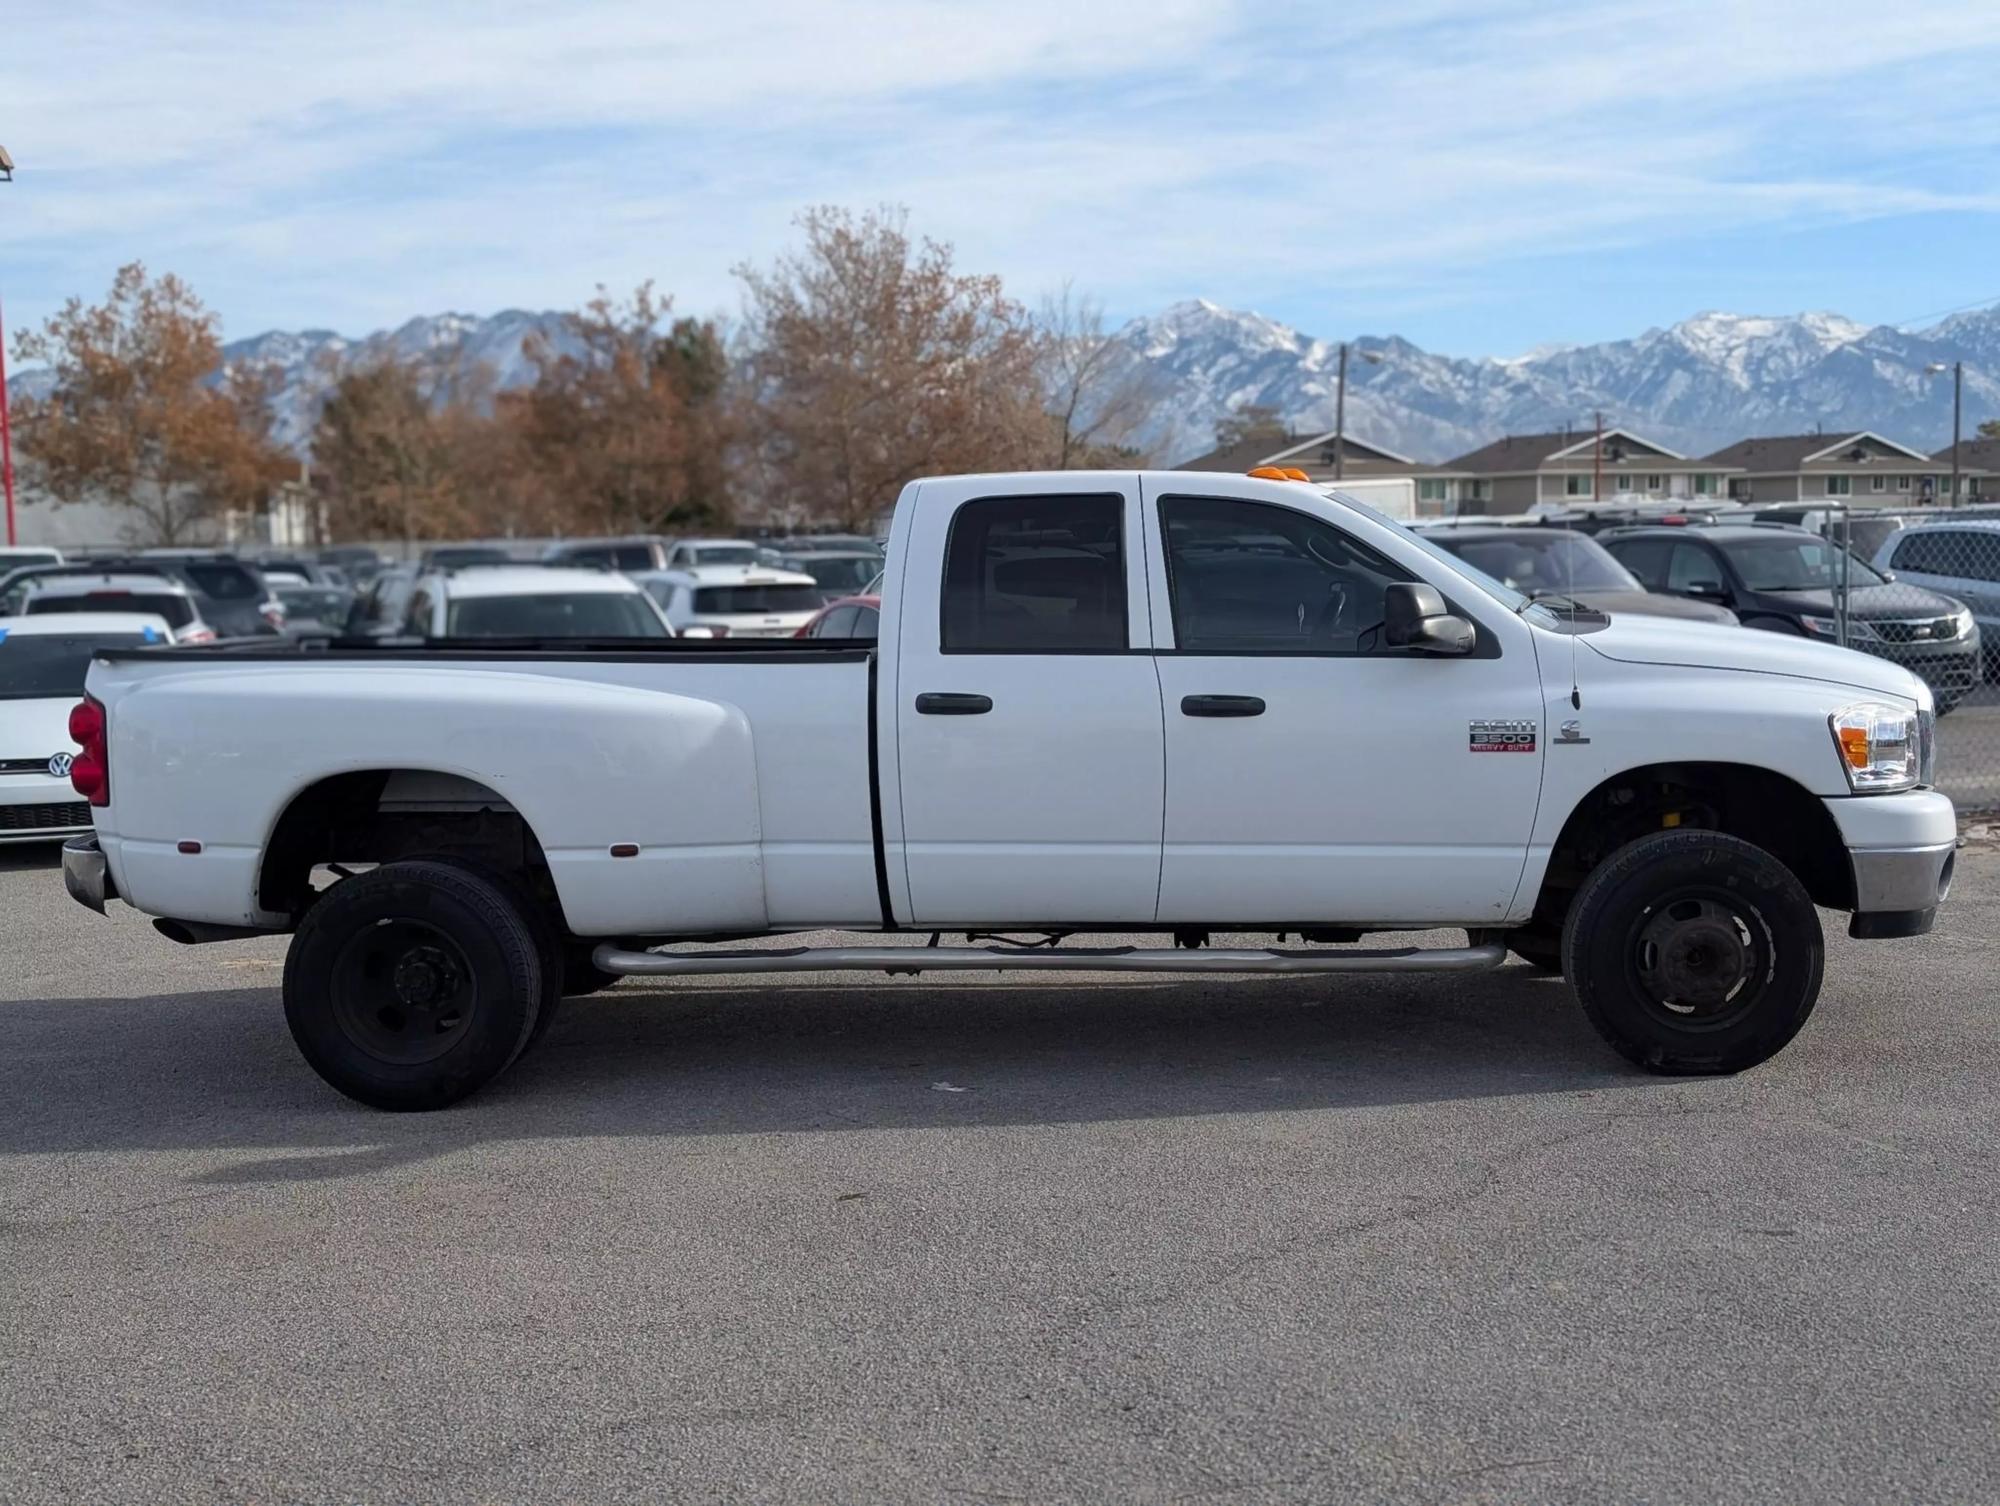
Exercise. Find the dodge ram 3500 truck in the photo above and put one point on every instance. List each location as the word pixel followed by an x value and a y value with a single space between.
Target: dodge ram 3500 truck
pixel 1168 703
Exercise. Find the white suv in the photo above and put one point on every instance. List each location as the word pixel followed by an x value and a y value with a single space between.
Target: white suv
pixel 735 601
pixel 117 591
pixel 530 601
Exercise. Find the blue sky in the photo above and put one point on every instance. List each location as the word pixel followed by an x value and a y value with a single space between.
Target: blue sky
pixel 1480 176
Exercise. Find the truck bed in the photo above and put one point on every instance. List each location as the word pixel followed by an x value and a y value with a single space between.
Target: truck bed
pixel 776 736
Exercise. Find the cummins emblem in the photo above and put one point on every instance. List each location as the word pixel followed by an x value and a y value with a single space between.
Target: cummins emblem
pixel 1503 737
pixel 59 765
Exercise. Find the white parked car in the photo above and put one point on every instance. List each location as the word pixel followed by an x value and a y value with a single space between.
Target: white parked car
pixel 43 661
pixel 735 601
pixel 1180 703
pixel 119 591
pixel 530 601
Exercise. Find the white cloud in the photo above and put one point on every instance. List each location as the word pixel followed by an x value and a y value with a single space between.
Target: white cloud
pixel 353 164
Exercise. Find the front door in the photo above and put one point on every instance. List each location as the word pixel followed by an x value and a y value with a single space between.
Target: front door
pixel 1027 719
pixel 1315 774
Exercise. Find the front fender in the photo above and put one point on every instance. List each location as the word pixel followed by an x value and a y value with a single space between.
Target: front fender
pixel 216 757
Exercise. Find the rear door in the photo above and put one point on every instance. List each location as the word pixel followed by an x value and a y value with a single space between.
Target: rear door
pixel 1315 774
pixel 1027 716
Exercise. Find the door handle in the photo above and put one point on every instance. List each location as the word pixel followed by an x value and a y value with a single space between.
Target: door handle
pixel 1222 705
pixel 947 703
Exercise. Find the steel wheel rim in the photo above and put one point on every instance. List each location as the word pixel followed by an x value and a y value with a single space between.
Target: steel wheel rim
pixel 1701 959
pixel 403 992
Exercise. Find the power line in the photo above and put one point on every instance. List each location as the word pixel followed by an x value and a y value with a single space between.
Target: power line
pixel 1963 308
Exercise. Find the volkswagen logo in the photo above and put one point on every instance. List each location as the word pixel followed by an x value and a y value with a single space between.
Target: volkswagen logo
pixel 59 764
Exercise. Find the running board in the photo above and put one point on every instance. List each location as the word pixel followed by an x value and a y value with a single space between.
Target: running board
pixel 1121 959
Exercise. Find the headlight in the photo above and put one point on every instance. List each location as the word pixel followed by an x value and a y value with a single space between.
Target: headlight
pixel 1819 627
pixel 1878 746
pixel 1961 622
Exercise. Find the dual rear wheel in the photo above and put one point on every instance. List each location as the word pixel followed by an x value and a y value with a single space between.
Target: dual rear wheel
pixel 416 983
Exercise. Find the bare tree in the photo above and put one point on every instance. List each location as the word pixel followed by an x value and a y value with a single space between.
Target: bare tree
pixel 1099 395
pixel 869 360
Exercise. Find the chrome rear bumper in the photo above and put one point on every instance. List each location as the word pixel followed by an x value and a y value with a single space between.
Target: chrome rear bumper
pixel 85 873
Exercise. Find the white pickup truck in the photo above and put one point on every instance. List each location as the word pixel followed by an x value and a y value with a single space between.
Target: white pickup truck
pixel 1169 703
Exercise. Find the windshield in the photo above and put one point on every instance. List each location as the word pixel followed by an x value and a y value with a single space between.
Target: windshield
pixel 840 576
pixel 738 600
pixel 1794 562
pixel 178 610
pixel 595 614
pixel 47 665
pixel 725 554
pixel 1536 563
pixel 1506 595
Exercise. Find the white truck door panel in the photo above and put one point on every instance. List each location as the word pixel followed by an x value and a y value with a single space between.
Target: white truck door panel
pixel 1336 779
pixel 1028 720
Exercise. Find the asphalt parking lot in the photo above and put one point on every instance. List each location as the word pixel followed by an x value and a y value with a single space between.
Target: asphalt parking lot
pixel 854 1239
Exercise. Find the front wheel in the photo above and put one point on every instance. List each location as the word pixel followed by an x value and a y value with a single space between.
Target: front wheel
pixel 414 984
pixel 1694 952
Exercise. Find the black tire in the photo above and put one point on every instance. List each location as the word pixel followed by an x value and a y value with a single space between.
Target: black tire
pixel 1694 952
pixel 548 937
pixel 579 974
pixel 1541 950
pixel 414 984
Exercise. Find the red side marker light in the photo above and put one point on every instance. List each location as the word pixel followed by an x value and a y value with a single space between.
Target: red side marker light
pixel 190 848
pixel 624 849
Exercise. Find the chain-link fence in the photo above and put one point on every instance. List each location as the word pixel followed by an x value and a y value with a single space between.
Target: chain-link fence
pixel 1921 589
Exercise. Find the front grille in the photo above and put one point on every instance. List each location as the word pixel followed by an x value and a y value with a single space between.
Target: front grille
pixel 70 813
pixel 1915 629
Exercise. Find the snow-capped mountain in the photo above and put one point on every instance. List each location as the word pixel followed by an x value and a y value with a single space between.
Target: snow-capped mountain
pixel 1695 386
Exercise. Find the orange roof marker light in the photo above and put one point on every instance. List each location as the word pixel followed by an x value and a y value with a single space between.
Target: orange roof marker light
pixel 1293 473
pixel 1268 473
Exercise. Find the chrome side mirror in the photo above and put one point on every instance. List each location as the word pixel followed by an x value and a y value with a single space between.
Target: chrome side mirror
pixel 1415 617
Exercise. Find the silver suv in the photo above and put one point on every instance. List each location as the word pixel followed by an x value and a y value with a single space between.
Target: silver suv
pixel 1959 558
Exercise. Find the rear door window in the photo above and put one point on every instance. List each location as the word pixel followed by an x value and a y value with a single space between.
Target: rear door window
pixel 1026 575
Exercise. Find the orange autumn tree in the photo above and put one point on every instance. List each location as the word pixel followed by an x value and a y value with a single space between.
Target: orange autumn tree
pixel 140 415
pixel 869 360
pixel 625 426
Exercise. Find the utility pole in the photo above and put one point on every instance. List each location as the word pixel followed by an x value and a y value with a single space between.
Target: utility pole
pixel 1957 370
pixel 6 437
pixel 1597 462
pixel 1957 413
pixel 6 434
pixel 1340 407
pixel 1340 417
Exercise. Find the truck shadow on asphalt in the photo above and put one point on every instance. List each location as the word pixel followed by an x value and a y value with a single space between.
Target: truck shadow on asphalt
pixel 218 1071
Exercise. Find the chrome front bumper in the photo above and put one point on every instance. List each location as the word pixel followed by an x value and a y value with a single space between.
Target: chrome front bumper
pixel 1897 889
pixel 85 873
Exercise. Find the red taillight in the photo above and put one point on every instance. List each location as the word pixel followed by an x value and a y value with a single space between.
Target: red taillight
pixel 90 770
pixel 274 613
